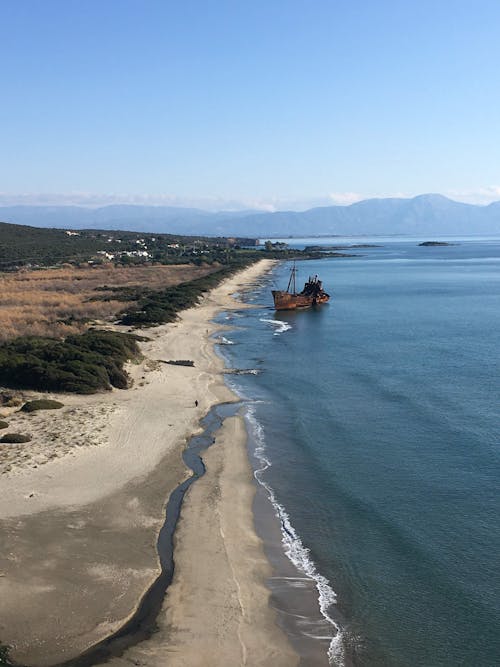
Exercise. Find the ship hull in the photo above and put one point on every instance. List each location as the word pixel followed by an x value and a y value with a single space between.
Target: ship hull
pixel 287 301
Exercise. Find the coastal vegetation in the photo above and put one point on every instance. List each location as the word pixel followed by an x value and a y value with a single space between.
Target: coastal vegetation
pixel 3 424
pixel 73 356
pixel 15 438
pixel 32 247
pixel 81 363
pixel 160 306
pixel 23 246
pixel 67 300
pixel 42 404
pixel 58 286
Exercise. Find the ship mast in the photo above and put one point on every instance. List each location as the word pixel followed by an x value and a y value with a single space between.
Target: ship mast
pixel 291 281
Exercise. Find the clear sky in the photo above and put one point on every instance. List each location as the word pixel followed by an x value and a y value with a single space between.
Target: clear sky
pixel 253 101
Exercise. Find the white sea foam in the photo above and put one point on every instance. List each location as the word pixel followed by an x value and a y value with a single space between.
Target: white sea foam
pixel 225 341
pixel 234 386
pixel 293 546
pixel 279 325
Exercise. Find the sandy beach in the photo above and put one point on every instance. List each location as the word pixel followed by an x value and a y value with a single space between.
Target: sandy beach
pixel 81 506
pixel 216 610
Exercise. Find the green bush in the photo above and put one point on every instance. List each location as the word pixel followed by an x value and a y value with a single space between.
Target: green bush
pixel 82 363
pixel 15 438
pixel 3 424
pixel 162 306
pixel 41 404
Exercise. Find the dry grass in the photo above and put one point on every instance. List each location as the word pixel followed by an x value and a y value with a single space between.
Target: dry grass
pixel 41 302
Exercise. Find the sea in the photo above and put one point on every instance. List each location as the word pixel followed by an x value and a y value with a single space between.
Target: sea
pixel 374 431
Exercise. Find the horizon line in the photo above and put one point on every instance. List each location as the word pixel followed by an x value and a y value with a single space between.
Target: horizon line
pixel 214 205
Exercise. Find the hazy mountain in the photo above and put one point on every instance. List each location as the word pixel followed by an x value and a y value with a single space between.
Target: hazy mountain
pixel 423 216
pixel 126 217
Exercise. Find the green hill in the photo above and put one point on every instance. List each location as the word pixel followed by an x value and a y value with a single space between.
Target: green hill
pixel 21 245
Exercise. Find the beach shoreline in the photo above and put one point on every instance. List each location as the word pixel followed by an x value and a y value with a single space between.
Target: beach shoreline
pixel 217 609
pixel 80 528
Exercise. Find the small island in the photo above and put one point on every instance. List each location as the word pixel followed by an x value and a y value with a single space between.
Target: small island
pixel 431 244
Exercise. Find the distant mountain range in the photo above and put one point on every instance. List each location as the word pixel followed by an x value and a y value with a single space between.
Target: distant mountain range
pixel 425 215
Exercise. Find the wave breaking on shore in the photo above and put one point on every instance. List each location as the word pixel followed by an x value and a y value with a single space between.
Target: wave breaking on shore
pixel 294 549
pixel 279 326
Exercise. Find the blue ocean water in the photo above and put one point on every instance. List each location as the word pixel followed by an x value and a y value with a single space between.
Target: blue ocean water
pixel 379 415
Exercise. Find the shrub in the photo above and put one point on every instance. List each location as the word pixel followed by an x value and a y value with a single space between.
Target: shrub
pixel 82 363
pixel 41 404
pixel 3 424
pixel 13 438
pixel 162 306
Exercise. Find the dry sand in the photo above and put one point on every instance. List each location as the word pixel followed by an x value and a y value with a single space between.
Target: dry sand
pixel 81 505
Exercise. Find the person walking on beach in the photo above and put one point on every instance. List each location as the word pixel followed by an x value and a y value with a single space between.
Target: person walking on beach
pixel 196 403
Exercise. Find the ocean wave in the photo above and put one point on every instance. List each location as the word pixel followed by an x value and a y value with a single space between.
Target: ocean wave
pixel 224 341
pixel 295 550
pixel 234 386
pixel 242 371
pixel 246 371
pixel 279 324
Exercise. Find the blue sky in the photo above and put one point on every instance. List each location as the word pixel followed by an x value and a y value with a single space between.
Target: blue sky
pixel 276 103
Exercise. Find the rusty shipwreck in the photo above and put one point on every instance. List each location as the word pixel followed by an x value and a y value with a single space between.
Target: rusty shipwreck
pixel 313 294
